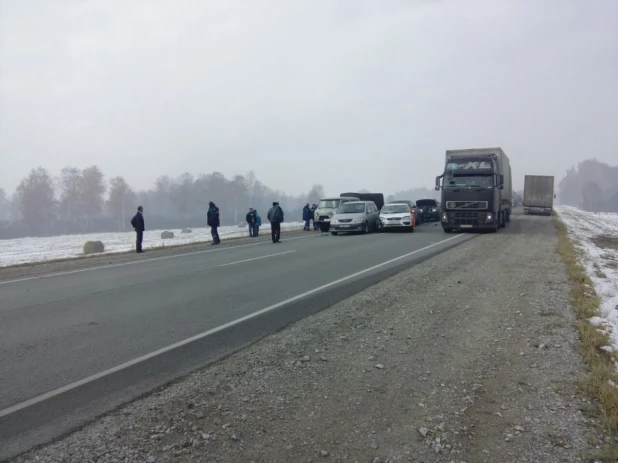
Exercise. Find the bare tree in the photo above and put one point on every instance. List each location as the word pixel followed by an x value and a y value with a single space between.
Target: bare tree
pixel 592 197
pixel 238 196
pixel 36 197
pixel 91 188
pixel 70 194
pixel 315 194
pixel 121 200
pixel 5 205
pixel 182 196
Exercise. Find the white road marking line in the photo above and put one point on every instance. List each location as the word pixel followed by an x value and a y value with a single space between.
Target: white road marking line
pixel 123 366
pixel 257 258
pixel 141 261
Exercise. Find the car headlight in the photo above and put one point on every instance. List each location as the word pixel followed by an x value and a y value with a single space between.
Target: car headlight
pixel 490 217
pixel 334 221
pixel 434 210
pixel 359 219
pixel 444 217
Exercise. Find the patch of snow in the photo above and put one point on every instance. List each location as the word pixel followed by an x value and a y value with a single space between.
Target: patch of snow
pixel 30 250
pixel 601 263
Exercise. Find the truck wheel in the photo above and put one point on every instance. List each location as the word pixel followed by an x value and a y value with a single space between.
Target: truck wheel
pixel 508 216
pixel 448 230
pixel 324 227
pixel 334 233
pixel 503 220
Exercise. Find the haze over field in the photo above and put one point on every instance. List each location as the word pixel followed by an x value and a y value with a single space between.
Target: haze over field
pixel 347 94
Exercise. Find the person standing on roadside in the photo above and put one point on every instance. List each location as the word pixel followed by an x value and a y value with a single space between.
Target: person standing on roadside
pixel 138 224
pixel 307 217
pixel 275 217
pixel 250 218
pixel 313 208
pixel 258 223
pixel 213 222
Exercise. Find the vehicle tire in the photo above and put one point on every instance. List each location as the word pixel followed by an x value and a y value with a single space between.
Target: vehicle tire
pixel 448 230
pixel 508 217
pixel 503 220
pixel 334 233
pixel 324 227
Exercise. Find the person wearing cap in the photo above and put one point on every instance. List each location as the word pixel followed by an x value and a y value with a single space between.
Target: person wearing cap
pixel 213 222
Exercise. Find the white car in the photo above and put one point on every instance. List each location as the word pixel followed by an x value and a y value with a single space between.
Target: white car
pixel 397 216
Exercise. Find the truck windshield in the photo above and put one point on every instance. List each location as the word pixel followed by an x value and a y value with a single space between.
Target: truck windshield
pixel 468 181
pixel 329 203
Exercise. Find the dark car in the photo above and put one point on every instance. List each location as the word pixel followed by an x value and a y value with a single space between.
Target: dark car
pixel 429 210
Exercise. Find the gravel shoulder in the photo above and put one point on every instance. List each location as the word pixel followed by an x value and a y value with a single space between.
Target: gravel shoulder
pixel 43 268
pixel 468 357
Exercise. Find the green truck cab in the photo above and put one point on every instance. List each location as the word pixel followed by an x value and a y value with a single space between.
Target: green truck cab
pixel 326 209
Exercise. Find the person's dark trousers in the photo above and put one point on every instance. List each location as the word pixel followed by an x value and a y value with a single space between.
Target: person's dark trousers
pixel 215 235
pixel 251 229
pixel 275 229
pixel 307 224
pixel 139 237
pixel 256 231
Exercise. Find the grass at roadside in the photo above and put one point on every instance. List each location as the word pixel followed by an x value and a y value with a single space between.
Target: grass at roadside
pixel 601 366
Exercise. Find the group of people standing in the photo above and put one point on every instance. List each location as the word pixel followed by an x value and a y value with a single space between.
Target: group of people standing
pixel 275 217
pixel 254 221
pixel 309 216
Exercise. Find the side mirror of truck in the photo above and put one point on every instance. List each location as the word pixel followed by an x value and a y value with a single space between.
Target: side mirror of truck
pixel 437 184
pixel 500 187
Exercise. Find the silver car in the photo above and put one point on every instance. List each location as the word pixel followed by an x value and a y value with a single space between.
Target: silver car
pixel 355 216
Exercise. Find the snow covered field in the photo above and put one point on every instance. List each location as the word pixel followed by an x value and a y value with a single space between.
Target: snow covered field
pixel 597 236
pixel 26 250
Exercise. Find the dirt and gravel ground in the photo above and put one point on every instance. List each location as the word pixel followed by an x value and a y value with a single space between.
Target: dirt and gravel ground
pixel 468 357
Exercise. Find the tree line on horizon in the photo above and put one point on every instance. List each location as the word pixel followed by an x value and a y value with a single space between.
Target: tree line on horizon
pixel 82 201
pixel 591 185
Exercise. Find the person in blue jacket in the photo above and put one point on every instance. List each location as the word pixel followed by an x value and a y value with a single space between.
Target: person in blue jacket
pixel 258 223
pixel 213 222
pixel 307 217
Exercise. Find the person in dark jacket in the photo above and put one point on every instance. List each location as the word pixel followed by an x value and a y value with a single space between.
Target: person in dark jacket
pixel 307 217
pixel 250 218
pixel 313 208
pixel 213 222
pixel 275 217
pixel 138 224
pixel 258 223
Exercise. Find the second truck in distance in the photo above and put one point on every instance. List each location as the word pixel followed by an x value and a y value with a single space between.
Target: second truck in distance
pixel 539 194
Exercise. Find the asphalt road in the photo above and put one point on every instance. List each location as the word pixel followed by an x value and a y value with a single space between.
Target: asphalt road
pixel 76 344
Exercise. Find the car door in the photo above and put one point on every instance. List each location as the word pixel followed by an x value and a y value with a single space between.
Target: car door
pixel 373 215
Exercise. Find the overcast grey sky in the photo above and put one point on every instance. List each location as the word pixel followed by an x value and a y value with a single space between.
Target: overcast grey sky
pixel 351 94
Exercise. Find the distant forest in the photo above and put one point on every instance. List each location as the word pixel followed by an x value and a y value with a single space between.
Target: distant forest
pixel 591 186
pixel 82 201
